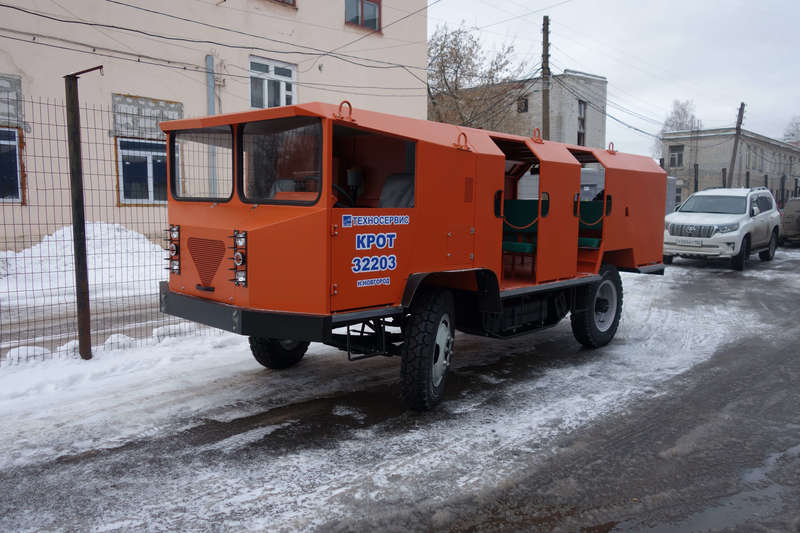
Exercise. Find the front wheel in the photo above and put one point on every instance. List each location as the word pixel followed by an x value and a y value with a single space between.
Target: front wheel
pixel 277 354
pixel 428 345
pixel 738 260
pixel 769 253
pixel 599 304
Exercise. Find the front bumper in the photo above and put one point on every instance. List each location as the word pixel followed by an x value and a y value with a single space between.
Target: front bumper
pixel 720 245
pixel 273 324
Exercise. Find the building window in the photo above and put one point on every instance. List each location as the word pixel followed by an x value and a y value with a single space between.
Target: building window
pixel 522 105
pixel 761 159
pixel 581 123
pixel 10 183
pixel 272 83
pixel 676 155
pixel 366 13
pixel 142 168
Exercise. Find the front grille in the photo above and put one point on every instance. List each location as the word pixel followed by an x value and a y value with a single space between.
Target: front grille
pixel 691 230
pixel 207 255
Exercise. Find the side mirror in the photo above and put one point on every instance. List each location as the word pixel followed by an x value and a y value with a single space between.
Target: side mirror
pixel 754 211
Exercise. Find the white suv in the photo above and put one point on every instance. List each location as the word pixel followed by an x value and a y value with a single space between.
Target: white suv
pixel 724 223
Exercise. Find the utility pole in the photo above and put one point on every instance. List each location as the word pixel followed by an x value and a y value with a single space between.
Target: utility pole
pixel 736 141
pixel 546 78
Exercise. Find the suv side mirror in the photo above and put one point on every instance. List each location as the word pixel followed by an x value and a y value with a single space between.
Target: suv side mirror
pixel 754 211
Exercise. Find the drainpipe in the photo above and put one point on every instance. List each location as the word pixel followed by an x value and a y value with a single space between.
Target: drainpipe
pixel 212 150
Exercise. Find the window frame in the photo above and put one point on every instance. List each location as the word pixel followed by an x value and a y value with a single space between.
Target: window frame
pixel 18 149
pixel 171 167
pixel 522 104
pixel 151 200
pixel 360 23
pixel 676 153
pixel 271 76
pixel 239 164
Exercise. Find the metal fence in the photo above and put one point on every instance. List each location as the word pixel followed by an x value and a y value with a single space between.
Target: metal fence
pixel 124 179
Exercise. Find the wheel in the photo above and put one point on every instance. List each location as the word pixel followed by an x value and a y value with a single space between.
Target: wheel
pixel 599 306
pixel 769 253
pixel 667 260
pixel 427 349
pixel 738 260
pixel 277 354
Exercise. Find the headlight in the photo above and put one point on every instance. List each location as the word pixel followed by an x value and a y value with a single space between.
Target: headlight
pixel 241 276
pixel 173 249
pixel 240 239
pixel 174 233
pixel 666 225
pixel 175 266
pixel 238 259
pixel 727 228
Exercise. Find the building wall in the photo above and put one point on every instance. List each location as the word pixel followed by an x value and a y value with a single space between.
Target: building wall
pixel 768 162
pixel 564 109
pixel 147 79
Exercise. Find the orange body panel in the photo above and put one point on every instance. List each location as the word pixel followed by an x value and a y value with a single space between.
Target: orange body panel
pixel 322 259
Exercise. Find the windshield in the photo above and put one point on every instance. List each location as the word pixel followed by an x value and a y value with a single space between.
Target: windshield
pixel 202 164
pixel 729 205
pixel 282 161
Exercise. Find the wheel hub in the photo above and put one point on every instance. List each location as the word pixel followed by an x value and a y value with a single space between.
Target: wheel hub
pixel 442 348
pixel 605 305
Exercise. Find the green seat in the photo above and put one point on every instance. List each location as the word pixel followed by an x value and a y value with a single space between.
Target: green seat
pixel 519 247
pixel 588 242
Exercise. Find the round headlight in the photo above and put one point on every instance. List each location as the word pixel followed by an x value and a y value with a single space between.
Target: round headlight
pixel 173 249
pixel 238 259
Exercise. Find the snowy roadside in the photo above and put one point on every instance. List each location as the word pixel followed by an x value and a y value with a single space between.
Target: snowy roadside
pixel 476 440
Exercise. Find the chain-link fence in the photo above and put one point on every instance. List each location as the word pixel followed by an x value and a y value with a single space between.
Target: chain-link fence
pixel 124 181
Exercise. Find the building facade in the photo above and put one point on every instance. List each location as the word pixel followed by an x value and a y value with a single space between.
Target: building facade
pixel 700 159
pixel 180 59
pixel 577 109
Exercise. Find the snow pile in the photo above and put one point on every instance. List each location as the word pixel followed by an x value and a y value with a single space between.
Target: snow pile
pixel 121 262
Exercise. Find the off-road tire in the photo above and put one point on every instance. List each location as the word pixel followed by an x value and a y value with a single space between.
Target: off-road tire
pixel 421 353
pixel 589 302
pixel 667 260
pixel 277 354
pixel 738 260
pixel 769 253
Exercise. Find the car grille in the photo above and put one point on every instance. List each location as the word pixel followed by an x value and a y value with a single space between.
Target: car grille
pixel 691 230
pixel 207 255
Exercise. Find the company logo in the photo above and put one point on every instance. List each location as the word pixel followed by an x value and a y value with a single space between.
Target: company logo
pixel 691 229
pixel 349 221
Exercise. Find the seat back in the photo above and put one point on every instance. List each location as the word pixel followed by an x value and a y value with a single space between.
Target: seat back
pixel 591 215
pixel 520 213
pixel 398 191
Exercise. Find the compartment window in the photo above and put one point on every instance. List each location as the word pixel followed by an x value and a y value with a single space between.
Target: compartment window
pixel 282 160
pixel 372 169
pixel 202 163
pixel 10 182
pixel 142 171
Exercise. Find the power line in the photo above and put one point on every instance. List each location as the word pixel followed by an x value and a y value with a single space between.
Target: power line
pixel 525 14
pixel 200 41
pixel 603 111
pixel 195 69
pixel 246 34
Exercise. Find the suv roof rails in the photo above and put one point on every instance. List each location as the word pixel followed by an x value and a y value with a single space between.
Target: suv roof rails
pixel 761 188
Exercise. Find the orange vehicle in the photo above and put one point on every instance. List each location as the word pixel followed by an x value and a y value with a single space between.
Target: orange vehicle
pixel 382 235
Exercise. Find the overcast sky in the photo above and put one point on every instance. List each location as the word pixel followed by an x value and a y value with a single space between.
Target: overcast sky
pixel 716 53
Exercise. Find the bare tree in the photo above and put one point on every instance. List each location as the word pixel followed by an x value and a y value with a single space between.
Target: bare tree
pixel 469 86
pixel 792 131
pixel 681 118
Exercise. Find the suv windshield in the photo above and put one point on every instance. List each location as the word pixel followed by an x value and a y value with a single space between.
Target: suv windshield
pixel 729 205
pixel 282 161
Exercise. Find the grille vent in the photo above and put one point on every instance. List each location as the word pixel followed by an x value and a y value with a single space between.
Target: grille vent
pixel 207 255
pixel 691 230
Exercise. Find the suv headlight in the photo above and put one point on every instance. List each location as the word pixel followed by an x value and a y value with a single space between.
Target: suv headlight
pixel 727 228
pixel 666 225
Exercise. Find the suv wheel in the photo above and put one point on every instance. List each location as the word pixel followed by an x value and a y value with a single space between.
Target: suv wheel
pixel 738 260
pixel 769 253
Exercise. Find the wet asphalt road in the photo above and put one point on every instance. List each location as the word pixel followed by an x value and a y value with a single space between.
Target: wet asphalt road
pixel 715 448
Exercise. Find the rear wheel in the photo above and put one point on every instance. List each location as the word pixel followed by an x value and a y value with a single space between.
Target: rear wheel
pixel 277 354
pixel 429 336
pixel 769 253
pixel 738 260
pixel 600 307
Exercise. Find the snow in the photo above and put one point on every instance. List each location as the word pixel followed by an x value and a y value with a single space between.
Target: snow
pixel 121 262
pixel 517 396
